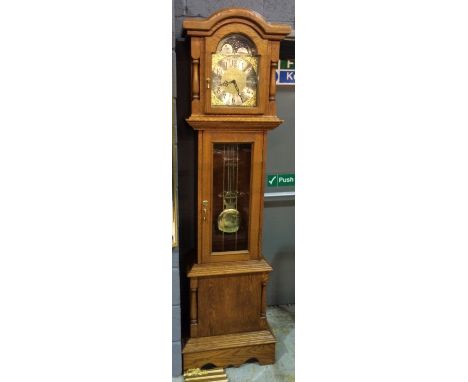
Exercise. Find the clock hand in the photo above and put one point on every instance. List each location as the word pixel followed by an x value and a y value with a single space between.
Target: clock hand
pixel 235 85
pixel 226 83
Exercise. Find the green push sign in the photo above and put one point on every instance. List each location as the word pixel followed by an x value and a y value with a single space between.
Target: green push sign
pixel 280 180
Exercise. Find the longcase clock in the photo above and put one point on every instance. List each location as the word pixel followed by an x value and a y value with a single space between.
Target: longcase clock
pixel 234 56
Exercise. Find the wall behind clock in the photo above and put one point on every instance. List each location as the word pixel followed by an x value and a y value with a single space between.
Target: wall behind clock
pixel 278 230
pixel 278 241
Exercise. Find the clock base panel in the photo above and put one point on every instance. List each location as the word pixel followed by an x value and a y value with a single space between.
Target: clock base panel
pixel 230 349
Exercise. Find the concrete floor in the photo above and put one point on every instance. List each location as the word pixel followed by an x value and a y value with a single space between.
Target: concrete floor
pixel 281 320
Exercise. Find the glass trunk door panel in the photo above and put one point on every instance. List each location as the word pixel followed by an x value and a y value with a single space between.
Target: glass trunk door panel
pixel 232 164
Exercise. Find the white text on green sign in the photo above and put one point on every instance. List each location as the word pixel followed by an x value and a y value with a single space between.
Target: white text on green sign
pixel 280 180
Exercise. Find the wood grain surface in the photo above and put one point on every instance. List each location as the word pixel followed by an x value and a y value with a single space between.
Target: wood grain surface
pixel 230 350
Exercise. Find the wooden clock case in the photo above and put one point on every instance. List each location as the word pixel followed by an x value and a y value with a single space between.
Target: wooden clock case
pixel 228 323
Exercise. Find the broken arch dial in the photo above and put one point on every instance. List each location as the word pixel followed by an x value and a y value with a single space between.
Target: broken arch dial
pixel 234 76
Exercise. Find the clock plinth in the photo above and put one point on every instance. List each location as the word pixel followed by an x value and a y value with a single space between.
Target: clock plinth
pixel 230 349
pixel 234 54
pixel 228 323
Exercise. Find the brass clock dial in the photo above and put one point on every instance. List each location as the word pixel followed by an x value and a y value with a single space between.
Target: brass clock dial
pixel 234 78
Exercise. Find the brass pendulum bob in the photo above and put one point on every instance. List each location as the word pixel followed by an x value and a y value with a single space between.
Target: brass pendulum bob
pixel 229 218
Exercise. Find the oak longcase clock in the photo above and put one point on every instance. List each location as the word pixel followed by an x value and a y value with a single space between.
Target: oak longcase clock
pixel 234 56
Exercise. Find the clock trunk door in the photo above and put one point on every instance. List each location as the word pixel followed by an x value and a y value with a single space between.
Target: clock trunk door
pixel 231 196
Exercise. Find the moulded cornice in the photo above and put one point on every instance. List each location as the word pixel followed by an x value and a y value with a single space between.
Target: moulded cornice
pixel 207 26
pixel 208 122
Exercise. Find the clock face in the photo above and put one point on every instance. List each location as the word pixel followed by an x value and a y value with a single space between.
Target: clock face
pixel 234 73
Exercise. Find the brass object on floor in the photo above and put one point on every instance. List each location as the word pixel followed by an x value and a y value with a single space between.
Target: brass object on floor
pixel 212 375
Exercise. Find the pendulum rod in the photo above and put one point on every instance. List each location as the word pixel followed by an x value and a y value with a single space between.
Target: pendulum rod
pixel 224 187
pixel 237 183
